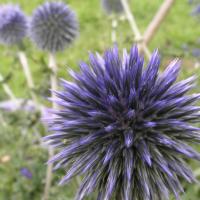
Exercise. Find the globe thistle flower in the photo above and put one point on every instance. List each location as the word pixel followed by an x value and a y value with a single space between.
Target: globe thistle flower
pixel 13 24
pixel 196 10
pixel 125 128
pixel 112 6
pixel 53 26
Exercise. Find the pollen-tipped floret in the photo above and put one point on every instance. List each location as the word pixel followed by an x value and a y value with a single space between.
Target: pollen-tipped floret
pixel 126 128
pixel 112 6
pixel 54 26
pixel 13 24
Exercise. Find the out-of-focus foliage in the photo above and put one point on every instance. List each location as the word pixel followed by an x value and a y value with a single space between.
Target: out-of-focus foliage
pixel 20 147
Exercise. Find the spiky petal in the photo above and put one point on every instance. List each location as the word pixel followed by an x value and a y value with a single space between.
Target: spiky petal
pixel 126 128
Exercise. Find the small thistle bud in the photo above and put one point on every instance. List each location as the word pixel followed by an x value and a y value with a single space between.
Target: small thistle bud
pixel 126 128
pixel 112 6
pixel 13 24
pixel 54 26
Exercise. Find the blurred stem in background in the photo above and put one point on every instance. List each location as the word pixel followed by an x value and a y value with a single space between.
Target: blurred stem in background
pixel 24 63
pixel 138 36
pixel 54 86
pixel 114 29
pixel 157 20
pixel 3 122
pixel 151 30
pixel 7 89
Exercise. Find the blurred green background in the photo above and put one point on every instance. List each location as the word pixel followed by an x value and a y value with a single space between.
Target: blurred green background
pixel 20 147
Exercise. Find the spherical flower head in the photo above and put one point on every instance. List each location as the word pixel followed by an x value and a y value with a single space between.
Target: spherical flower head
pixel 126 128
pixel 54 26
pixel 112 6
pixel 13 24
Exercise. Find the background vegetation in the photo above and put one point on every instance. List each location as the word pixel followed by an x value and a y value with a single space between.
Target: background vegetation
pixel 20 133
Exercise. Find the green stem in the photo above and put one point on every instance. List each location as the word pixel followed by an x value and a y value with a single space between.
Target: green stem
pixel 54 86
pixel 7 89
pixel 135 29
pixel 24 63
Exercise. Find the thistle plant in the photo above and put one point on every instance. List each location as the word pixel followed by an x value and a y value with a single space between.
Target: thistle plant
pixel 53 27
pixel 13 30
pixel 125 128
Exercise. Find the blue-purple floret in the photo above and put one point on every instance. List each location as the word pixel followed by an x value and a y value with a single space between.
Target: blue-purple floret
pixel 127 129
pixel 54 26
pixel 13 24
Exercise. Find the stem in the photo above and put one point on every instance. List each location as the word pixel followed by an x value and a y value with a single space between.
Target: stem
pixel 114 28
pixel 197 173
pixel 118 197
pixel 157 20
pixel 78 180
pixel 27 73
pixel 135 29
pixel 7 89
pixel 54 86
pixel 3 123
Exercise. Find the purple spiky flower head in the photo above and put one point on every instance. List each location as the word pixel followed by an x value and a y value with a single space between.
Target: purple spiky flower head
pixel 54 26
pixel 13 24
pixel 126 128
pixel 112 6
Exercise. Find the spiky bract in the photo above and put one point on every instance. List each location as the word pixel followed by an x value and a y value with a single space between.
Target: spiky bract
pixel 126 128
pixel 54 26
pixel 112 6
pixel 13 24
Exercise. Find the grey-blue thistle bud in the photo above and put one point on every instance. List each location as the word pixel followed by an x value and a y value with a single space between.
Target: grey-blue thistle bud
pixel 112 6
pixel 53 26
pixel 13 24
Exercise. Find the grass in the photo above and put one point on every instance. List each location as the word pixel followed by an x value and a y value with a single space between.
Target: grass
pixel 21 144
